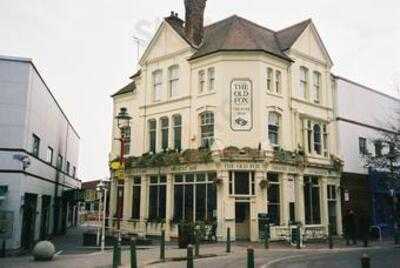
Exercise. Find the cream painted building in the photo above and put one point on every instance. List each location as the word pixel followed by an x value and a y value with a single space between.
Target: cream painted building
pixel 229 121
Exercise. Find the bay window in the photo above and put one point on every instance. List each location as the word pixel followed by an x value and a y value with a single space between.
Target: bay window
pixel 316 137
pixel 157 197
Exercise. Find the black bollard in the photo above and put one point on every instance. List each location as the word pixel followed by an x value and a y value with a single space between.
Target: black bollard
pixel 330 238
pixel 115 255
pixel 133 254
pixel 266 233
pixel 365 261
pixel 228 240
pixel 250 258
pixel 162 245
pixel 366 241
pixel 3 250
pixel 189 257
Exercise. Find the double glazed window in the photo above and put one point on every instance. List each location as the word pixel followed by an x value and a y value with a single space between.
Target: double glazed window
pixel 274 198
pixel 164 132
pixel 173 80
pixel 273 128
pixel 303 85
pixel 312 200
pixel 152 135
pixel 35 145
pixel 207 128
pixel 157 85
pixel 195 197
pixel 177 128
pixel 136 198
pixel 157 197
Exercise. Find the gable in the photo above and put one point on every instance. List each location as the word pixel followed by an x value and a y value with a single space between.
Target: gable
pixel 310 44
pixel 166 41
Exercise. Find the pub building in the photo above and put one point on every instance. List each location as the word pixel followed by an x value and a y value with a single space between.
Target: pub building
pixel 229 121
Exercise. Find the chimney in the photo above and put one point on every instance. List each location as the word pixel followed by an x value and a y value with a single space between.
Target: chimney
pixel 194 28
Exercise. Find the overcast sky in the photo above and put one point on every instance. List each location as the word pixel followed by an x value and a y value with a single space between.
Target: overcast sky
pixel 85 51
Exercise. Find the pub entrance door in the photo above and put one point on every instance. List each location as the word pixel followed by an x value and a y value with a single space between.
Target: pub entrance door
pixel 28 221
pixel 242 220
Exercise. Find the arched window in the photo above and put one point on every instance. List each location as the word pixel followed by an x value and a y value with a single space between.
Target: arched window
pixel 152 135
pixel 164 122
pixel 177 127
pixel 317 138
pixel 207 128
pixel 273 128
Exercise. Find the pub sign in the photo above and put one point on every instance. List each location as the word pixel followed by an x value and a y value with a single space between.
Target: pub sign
pixel 241 105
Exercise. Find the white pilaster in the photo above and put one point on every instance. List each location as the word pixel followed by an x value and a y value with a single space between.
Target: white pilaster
pixel 299 198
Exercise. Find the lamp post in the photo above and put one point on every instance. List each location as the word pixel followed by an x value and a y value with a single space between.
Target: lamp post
pixel 123 124
pixel 396 223
pixel 99 194
pixel 101 187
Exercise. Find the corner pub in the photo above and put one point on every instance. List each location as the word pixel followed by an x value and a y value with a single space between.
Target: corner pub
pixel 229 121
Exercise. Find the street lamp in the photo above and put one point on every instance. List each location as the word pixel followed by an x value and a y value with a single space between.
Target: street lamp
pixel 101 187
pixel 123 124
pixel 396 223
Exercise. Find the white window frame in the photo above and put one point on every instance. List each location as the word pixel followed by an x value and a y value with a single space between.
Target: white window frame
pixel 270 79
pixel 317 87
pixel 211 78
pixel 207 119
pixel 202 81
pixel 278 81
pixel 173 76
pixel 164 127
pixel 303 82
pixel 157 85
pixel 274 124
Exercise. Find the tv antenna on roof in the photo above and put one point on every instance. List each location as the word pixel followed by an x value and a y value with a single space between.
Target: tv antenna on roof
pixel 139 42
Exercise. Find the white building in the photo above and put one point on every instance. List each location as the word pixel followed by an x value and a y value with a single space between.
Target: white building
pixel 362 115
pixel 38 157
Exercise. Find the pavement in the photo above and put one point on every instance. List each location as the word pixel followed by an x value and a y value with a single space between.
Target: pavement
pixel 70 253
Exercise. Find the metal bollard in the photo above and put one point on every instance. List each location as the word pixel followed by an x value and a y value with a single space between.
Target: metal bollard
pixel 266 233
pixel 162 245
pixel 133 254
pixel 366 241
pixel 228 240
pixel 115 255
pixel 189 257
pixel 330 238
pixel 298 242
pixel 365 261
pixel 3 250
pixel 250 258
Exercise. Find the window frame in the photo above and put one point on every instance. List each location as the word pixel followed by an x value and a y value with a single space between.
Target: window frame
pixel 270 131
pixel 173 81
pixel 35 145
pixel 317 80
pixel 135 209
pixel 177 128
pixel 152 134
pixel 276 184
pixel 311 183
pixel 211 78
pixel 164 130
pixel 157 85
pixel 161 183
pixel 303 82
pixel 202 81
pixel 270 79
pixel 232 186
pixel 51 151
pixel 362 146
pixel 126 133
pixel 207 120
pixel 278 81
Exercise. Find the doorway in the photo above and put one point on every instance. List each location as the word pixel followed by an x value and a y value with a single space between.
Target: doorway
pixel 28 221
pixel 242 220
pixel 45 217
